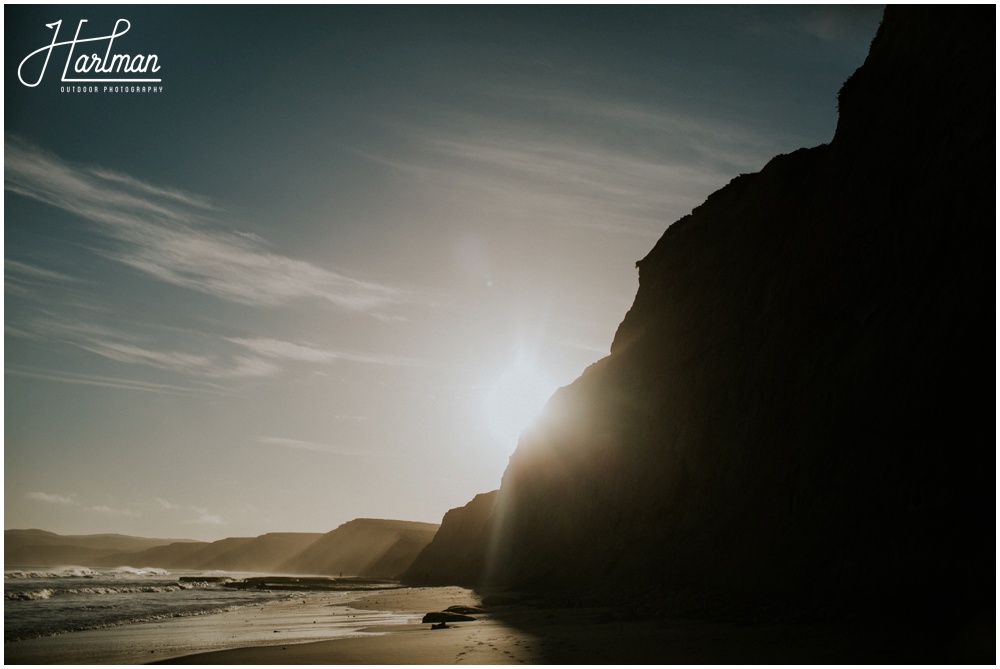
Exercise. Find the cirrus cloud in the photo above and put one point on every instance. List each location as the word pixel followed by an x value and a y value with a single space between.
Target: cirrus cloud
pixel 50 498
pixel 181 238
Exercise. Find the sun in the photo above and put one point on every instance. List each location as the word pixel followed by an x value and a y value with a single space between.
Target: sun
pixel 514 400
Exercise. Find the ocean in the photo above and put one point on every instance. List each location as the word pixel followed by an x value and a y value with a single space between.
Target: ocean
pixel 42 602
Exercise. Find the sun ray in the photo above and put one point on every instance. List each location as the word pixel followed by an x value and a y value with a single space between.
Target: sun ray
pixel 515 400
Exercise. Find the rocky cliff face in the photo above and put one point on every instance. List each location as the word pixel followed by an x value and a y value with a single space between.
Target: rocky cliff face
pixel 457 555
pixel 796 414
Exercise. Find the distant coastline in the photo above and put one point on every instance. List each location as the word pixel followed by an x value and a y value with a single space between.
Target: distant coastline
pixel 364 547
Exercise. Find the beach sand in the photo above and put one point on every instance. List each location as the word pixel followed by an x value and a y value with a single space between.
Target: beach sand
pixel 535 634
pixel 487 640
pixel 385 628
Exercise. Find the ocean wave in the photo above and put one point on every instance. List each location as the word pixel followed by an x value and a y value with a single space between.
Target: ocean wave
pixel 189 584
pixel 136 571
pixel 121 591
pixel 46 593
pixel 57 572
pixel 85 572
pixel 29 595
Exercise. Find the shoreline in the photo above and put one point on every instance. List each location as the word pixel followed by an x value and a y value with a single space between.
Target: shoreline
pixel 298 618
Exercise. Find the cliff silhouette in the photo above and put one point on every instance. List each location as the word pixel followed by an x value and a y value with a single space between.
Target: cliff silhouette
pixel 795 420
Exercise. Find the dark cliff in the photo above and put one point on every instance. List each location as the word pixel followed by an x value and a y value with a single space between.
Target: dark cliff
pixel 457 555
pixel 796 416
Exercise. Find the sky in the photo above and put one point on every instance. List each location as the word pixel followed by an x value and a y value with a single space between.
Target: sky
pixel 333 266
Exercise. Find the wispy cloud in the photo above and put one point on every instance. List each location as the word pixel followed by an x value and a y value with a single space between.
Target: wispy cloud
pixel 181 238
pixel 205 518
pixel 50 498
pixel 20 271
pixel 110 511
pixel 179 362
pixel 528 181
pixel 582 161
pixel 626 191
pixel 122 347
pixel 63 500
pixel 165 505
pixel 216 359
pixel 104 381
pixel 177 196
pixel 42 285
pixel 276 348
pixel 317 447
pixel 188 515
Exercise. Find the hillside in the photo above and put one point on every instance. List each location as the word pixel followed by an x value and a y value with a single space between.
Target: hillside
pixel 361 547
pixel 364 547
pixel 38 547
pixel 256 554
pixel 457 555
pixel 172 556
pixel 795 419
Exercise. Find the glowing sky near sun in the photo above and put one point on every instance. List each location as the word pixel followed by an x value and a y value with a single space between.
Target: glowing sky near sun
pixel 341 259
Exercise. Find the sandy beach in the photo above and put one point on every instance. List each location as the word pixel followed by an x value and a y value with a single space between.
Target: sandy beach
pixel 536 634
pixel 385 628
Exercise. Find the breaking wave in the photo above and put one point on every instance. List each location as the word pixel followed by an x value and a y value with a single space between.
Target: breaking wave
pixel 84 572
pixel 57 572
pixel 46 593
pixel 40 601
pixel 28 595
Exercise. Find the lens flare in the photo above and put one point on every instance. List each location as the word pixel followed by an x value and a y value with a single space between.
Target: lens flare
pixel 514 401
